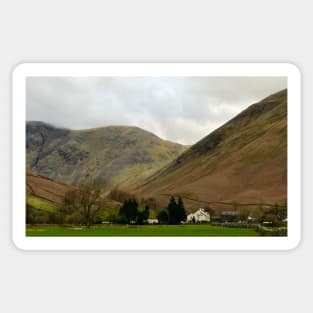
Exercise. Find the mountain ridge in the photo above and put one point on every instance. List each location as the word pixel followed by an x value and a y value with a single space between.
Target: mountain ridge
pixel 252 144
pixel 118 155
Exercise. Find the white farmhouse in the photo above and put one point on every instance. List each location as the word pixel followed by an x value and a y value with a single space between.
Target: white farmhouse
pixel 199 216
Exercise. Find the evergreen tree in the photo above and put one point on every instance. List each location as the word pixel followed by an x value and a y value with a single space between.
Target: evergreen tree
pixel 172 210
pixel 128 211
pixel 181 210
pixel 163 217
pixel 133 210
pixel 140 217
pixel 176 211
pixel 143 215
pixel 146 213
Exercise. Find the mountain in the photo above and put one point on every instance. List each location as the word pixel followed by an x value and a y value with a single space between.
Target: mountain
pixel 117 155
pixel 245 160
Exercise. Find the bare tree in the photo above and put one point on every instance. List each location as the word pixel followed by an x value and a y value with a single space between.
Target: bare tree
pixel 86 200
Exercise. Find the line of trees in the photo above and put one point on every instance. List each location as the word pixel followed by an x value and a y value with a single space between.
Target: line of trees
pixel 83 206
pixel 175 212
pixel 130 214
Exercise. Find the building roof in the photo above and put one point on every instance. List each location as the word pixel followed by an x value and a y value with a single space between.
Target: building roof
pixel 200 211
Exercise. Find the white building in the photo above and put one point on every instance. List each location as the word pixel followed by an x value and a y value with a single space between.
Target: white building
pixel 152 221
pixel 199 216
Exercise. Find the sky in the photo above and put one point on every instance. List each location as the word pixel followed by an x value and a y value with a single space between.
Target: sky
pixel 179 109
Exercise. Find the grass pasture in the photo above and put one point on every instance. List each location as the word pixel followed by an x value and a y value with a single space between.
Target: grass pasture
pixel 41 204
pixel 199 230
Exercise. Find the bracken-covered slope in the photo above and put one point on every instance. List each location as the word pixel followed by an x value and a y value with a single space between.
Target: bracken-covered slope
pixel 45 189
pixel 117 155
pixel 44 194
pixel 245 160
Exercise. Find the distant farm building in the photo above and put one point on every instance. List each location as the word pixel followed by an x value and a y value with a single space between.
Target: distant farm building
pixel 229 216
pixel 199 216
pixel 152 221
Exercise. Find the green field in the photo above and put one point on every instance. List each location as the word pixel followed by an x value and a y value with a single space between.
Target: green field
pixel 142 230
pixel 40 204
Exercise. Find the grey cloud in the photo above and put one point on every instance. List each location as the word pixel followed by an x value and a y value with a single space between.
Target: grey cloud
pixel 182 109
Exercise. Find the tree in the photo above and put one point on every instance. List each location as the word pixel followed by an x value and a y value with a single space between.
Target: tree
pixel 133 209
pixel 181 210
pixel 123 212
pixel 163 217
pixel 89 198
pixel 146 213
pixel 140 217
pixel 176 211
pixel 172 211
pixel 86 200
pixel 128 211
pixel 70 212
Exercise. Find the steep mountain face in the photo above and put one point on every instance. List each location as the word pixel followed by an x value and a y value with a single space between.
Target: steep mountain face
pixel 245 160
pixel 118 155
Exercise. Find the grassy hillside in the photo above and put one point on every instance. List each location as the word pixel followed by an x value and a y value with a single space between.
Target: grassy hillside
pixel 44 195
pixel 245 160
pixel 118 155
pixel 41 204
pixel 45 200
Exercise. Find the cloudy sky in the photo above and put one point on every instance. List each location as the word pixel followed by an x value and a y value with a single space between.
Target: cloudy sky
pixel 180 109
